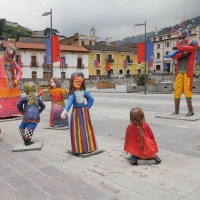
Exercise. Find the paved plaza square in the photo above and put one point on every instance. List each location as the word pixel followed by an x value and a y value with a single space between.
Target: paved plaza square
pixel 53 173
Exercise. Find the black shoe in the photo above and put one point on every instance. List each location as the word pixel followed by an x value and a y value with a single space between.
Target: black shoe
pixel 133 162
pixel 157 159
pixel 28 142
pixel 190 113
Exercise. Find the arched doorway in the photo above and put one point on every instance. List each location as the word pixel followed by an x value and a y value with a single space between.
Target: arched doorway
pixel 128 73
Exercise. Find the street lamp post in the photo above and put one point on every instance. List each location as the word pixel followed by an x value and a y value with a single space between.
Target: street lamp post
pixel 45 14
pixel 145 66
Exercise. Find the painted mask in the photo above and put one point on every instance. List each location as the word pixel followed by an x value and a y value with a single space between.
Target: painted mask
pixel 183 33
pixel 10 52
pixel 77 81
pixel 52 83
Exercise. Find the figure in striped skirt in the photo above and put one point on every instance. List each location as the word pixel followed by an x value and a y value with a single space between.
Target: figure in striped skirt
pixel 81 130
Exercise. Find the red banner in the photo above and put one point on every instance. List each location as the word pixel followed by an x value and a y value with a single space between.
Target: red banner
pixel 141 52
pixel 107 66
pixel 55 49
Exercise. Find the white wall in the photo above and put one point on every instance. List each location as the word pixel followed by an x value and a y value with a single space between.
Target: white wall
pixel 70 59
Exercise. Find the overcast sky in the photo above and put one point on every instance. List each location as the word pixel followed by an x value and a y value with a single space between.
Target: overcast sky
pixel 110 18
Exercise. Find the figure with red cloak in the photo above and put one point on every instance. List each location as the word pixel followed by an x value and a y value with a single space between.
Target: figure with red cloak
pixel 10 75
pixel 139 138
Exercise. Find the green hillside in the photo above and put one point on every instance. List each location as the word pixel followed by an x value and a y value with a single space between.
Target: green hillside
pixel 10 31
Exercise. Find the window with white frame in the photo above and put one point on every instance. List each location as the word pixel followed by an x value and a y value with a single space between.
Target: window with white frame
pixel 109 59
pixel 157 67
pixel 128 57
pixel 167 52
pixel 168 44
pixel 98 57
pixel 98 72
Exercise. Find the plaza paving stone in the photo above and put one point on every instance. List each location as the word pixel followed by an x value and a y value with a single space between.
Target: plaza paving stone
pixel 53 173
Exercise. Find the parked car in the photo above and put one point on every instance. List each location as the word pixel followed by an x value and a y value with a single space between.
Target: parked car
pixel 117 75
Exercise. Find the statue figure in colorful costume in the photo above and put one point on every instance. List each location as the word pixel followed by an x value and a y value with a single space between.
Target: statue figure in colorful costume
pixel 185 54
pixel 139 138
pixel 10 75
pixel 81 130
pixel 57 104
pixel 30 107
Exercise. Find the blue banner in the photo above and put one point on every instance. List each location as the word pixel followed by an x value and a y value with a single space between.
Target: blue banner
pixel 48 50
pixel 165 65
pixel 149 51
pixel 198 56
pixel 63 62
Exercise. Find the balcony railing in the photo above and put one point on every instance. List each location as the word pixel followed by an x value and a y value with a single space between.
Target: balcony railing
pixel 34 64
pixel 130 62
pixel 110 60
pixel 79 66
pixel 46 67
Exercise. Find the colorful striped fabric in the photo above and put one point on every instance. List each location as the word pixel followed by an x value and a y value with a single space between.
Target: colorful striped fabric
pixel 82 133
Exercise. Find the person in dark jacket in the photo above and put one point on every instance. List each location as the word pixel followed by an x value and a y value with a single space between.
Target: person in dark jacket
pixel 30 107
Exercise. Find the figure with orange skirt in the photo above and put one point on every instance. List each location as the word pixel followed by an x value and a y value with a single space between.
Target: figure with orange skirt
pixel 139 138
pixel 81 130
pixel 10 75
pixel 57 103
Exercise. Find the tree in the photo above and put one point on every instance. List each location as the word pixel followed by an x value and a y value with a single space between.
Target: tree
pixel 47 32
pixel 1 26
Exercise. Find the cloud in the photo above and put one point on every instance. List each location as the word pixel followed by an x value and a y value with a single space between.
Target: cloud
pixel 111 18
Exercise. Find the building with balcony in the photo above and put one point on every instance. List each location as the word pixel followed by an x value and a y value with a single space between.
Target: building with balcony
pixel 163 44
pixel 32 58
pixel 111 60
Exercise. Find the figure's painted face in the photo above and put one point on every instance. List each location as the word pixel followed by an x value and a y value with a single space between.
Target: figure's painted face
pixel 183 33
pixel 52 83
pixel 78 81
pixel 10 52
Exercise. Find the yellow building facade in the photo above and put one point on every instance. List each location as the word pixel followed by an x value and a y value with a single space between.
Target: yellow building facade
pixel 115 56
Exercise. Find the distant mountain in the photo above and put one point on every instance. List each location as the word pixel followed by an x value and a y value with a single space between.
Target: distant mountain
pixel 135 39
pixel 140 38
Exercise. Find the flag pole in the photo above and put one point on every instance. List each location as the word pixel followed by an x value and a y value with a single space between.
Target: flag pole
pixel 145 68
pixel 51 46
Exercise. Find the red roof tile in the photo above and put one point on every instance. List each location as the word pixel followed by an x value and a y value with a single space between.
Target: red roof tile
pixel 24 45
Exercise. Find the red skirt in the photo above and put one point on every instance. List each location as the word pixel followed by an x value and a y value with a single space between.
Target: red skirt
pixel 140 143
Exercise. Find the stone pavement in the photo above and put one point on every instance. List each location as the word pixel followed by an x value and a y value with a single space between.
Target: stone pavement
pixel 52 173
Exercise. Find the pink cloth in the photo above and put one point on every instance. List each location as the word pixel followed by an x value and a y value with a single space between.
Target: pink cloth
pixel 17 67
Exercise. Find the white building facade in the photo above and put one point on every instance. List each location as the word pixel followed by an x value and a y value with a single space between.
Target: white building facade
pixel 32 59
pixel 163 44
